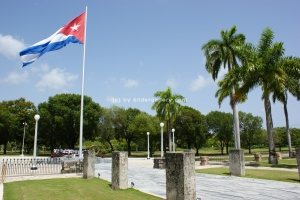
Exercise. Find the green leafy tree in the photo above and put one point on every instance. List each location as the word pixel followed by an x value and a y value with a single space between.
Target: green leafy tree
pixel 167 108
pixel 226 52
pixel 106 126
pixel 250 127
pixel 47 132
pixel 7 122
pixel 191 128
pixel 122 121
pixel 220 124
pixel 280 137
pixel 295 134
pixel 142 124
pixel 22 112
pixel 62 111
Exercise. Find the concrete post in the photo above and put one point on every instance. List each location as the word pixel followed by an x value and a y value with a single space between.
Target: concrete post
pixel 204 160
pixel 119 170
pixel 236 162
pixel 89 164
pixel 298 159
pixel 180 175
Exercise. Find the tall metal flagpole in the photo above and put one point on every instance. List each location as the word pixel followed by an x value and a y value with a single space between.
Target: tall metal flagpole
pixel 82 86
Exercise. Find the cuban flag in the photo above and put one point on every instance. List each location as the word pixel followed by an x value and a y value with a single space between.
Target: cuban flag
pixel 72 32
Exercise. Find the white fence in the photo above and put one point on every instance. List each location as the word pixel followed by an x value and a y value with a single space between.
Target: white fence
pixel 30 166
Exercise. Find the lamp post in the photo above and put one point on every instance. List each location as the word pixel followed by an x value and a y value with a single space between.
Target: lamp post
pixel 148 144
pixel 173 130
pixel 25 124
pixel 36 117
pixel 162 140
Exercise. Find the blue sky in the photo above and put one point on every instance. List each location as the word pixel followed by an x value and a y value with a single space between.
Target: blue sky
pixel 135 48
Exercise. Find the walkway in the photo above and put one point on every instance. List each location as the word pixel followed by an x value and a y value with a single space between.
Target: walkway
pixel 153 181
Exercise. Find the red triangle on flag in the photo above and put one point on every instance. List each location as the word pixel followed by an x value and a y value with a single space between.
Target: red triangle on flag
pixel 75 28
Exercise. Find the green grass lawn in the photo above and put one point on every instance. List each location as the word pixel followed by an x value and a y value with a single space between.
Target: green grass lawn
pixel 69 189
pixel 286 162
pixel 275 175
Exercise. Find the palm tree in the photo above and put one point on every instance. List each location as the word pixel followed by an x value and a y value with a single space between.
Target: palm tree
pixel 292 85
pixel 167 108
pixel 270 70
pixel 226 51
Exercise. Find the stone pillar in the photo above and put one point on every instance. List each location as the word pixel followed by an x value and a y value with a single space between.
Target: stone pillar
pixel 180 175
pixel 257 157
pixel 298 159
pixel 278 155
pixel 204 160
pixel 159 163
pixel 89 164
pixel 236 162
pixel 119 170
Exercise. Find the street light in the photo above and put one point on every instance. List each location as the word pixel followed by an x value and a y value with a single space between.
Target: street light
pixel 173 130
pixel 148 144
pixel 162 140
pixel 36 117
pixel 25 124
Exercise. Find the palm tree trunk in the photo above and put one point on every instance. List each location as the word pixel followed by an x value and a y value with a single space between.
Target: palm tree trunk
pixel 236 123
pixel 236 127
pixel 288 129
pixel 272 151
pixel 170 135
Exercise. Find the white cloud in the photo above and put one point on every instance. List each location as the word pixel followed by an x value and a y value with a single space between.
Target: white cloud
pixel 42 68
pixel 172 83
pixel 129 83
pixel 199 83
pixel 56 79
pixel 16 78
pixel 10 47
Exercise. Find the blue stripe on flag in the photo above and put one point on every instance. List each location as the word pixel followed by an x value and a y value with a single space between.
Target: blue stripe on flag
pixel 44 48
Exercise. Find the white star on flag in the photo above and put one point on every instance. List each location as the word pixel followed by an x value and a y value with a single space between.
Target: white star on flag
pixel 75 27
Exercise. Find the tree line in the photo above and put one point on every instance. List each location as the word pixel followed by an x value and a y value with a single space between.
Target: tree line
pixel 58 127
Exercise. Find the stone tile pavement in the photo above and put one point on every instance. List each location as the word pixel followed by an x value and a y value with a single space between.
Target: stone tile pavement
pixel 153 181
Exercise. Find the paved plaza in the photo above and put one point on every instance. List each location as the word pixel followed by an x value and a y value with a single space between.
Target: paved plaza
pixel 208 187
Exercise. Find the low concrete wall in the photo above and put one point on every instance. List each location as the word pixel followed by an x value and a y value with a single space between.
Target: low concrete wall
pixel 72 166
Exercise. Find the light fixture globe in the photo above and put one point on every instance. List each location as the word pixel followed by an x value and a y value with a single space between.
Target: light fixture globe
pixel 36 117
pixel 148 133
pixel 161 124
pixel 173 130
